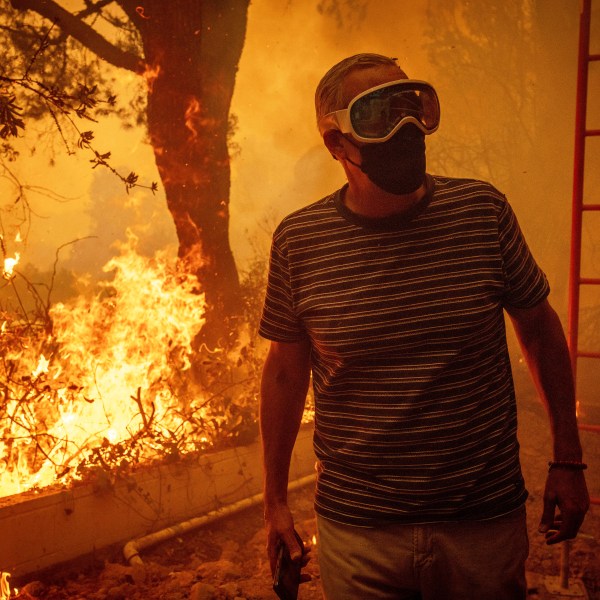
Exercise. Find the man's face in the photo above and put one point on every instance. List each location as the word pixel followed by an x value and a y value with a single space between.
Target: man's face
pixel 398 164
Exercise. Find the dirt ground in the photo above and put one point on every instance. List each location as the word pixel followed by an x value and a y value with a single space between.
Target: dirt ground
pixel 226 561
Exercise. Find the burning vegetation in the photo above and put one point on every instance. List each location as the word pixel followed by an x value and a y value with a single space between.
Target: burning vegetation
pixel 126 372
pixel 107 380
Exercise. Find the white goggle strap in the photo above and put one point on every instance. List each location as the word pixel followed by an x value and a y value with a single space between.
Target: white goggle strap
pixel 340 120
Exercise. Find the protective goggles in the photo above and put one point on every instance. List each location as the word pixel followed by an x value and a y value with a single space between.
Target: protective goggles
pixel 378 113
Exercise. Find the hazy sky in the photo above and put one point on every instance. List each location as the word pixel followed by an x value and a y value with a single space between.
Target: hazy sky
pixel 290 47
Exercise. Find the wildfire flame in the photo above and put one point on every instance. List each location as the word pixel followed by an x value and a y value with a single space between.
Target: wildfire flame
pixel 42 367
pixel 111 365
pixel 4 586
pixel 151 74
pixel 9 265
pixel 192 117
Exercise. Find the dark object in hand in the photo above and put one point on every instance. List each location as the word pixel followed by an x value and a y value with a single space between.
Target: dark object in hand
pixel 287 572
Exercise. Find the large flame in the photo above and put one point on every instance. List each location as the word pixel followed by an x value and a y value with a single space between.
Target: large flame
pixel 110 366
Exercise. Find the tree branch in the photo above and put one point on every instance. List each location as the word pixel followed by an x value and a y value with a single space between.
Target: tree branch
pixel 83 33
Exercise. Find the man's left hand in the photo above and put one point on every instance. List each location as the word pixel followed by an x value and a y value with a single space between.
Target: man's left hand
pixel 566 491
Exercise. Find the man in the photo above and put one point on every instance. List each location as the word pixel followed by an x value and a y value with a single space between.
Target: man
pixel 391 291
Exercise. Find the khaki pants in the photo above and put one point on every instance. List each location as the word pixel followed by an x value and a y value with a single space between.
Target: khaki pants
pixel 474 560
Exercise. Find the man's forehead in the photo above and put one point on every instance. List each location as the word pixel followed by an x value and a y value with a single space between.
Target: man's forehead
pixel 359 80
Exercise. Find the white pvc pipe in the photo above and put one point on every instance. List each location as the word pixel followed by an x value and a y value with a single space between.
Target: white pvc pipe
pixel 132 549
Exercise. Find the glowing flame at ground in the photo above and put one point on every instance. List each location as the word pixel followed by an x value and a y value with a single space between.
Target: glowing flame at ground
pixel 110 370
pixel 4 587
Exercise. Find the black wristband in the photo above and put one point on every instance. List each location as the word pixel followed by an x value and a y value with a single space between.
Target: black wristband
pixel 570 465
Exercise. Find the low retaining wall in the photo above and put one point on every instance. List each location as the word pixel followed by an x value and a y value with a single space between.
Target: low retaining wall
pixel 39 531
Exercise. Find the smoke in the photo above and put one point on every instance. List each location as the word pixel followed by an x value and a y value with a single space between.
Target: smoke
pixel 505 116
pixel 282 164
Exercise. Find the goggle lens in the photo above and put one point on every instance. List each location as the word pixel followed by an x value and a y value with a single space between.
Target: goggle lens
pixel 376 114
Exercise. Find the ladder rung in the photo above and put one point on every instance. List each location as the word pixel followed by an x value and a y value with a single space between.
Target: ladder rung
pixel 590 207
pixel 591 132
pixel 595 428
pixel 594 57
pixel 589 281
pixel 588 355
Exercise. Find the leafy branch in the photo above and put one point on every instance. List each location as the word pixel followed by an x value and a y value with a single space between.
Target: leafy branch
pixel 10 117
pixel 61 105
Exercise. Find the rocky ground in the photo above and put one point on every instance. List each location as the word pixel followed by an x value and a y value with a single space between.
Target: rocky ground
pixel 226 561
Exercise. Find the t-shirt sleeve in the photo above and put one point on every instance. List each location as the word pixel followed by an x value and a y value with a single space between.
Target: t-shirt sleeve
pixel 525 283
pixel 279 321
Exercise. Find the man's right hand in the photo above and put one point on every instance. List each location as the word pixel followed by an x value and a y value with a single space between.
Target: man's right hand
pixel 279 524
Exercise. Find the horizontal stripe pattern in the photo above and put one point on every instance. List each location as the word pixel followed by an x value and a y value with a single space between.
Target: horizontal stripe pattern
pixel 415 408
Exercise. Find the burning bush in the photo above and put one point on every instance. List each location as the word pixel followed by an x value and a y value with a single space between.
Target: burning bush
pixel 112 379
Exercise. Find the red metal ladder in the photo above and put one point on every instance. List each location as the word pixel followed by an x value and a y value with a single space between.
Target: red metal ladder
pixel 580 207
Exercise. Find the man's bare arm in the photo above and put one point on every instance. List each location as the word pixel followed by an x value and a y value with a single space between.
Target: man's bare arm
pixel 542 340
pixel 284 385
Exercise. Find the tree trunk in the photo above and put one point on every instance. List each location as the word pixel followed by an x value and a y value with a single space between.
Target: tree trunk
pixel 192 50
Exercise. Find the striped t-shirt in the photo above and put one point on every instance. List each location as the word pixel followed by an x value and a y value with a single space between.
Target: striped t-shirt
pixel 415 407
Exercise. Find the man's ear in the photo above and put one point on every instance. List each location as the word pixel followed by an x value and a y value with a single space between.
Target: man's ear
pixel 333 142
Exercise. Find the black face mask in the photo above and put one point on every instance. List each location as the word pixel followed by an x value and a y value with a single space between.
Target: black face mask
pixel 398 165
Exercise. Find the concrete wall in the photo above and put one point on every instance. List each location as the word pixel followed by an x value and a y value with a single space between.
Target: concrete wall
pixel 37 532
